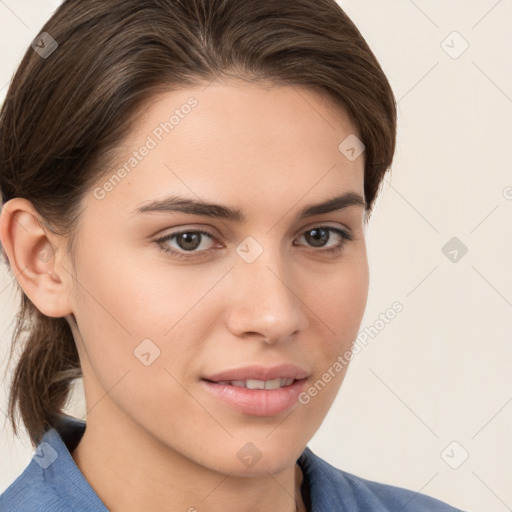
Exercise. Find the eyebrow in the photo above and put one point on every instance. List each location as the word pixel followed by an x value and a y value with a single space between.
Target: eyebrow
pixel 191 206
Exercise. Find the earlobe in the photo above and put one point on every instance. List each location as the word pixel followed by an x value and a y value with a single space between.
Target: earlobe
pixel 32 258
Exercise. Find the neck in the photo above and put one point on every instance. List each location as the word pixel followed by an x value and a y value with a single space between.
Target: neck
pixel 130 471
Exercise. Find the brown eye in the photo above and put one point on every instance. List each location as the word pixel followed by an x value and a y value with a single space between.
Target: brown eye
pixel 320 235
pixel 187 242
pixel 317 237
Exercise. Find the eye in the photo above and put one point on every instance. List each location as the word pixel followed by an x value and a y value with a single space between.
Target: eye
pixel 189 241
pixel 318 236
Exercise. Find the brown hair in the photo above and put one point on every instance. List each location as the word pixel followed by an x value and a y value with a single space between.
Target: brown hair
pixel 64 113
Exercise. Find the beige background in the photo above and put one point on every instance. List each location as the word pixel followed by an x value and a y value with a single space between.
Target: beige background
pixel 439 372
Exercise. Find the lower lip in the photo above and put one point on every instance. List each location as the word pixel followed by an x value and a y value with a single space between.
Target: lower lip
pixel 257 402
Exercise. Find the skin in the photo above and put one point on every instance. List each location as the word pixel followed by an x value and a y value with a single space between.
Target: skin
pixel 155 440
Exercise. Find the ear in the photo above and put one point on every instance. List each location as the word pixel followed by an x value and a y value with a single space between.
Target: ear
pixel 32 253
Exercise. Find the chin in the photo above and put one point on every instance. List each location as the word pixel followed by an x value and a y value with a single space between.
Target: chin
pixel 252 459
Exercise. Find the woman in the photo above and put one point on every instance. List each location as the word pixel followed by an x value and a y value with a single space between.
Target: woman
pixel 186 185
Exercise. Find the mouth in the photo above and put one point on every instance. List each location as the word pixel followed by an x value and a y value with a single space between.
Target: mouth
pixel 256 384
pixel 256 397
pixel 254 374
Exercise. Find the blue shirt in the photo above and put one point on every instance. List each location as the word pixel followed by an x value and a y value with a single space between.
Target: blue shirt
pixel 52 482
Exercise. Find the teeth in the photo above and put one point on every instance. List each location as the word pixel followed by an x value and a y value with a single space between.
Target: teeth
pixel 259 384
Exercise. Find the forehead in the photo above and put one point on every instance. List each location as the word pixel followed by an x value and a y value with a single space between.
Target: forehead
pixel 241 141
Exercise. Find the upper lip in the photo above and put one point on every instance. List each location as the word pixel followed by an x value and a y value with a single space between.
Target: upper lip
pixel 259 372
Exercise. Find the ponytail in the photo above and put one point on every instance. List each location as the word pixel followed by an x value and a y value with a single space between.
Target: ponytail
pixel 44 373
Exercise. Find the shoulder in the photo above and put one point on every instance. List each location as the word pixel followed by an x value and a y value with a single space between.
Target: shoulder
pixel 28 493
pixel 330 487
pixel 52 482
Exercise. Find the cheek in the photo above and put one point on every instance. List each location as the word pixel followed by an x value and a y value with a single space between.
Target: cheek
pixel 342 302
pixel 131 310
pixel 340 308
pixel 135 328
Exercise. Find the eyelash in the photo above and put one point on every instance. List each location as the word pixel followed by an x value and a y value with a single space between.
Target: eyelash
pixel 337 249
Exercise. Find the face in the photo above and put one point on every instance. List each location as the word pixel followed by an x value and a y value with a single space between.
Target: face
pixel 166 298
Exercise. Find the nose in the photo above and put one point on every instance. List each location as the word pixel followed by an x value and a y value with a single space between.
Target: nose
pixel 265 299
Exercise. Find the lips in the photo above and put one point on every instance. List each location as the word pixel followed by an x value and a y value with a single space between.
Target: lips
pixel 258 384
pixel 260 373
pixel 256 402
